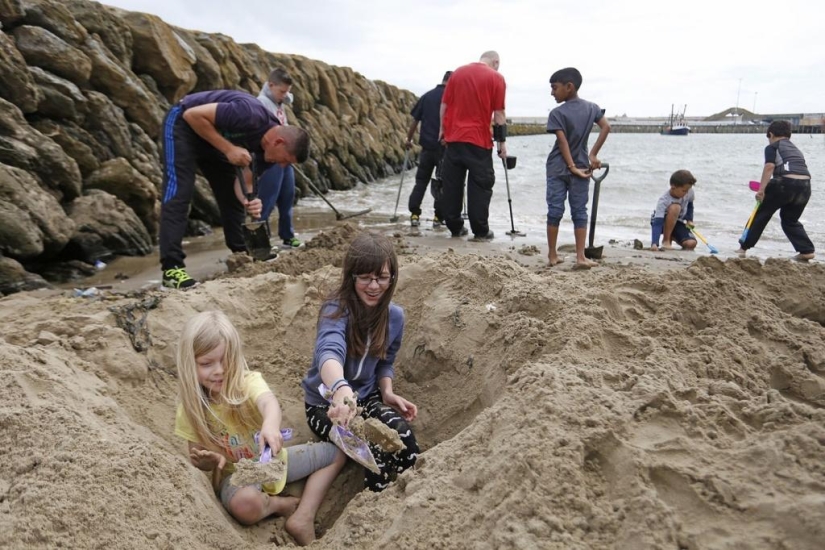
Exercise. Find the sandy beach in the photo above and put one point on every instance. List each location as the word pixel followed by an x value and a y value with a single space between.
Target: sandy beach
pixel 669 400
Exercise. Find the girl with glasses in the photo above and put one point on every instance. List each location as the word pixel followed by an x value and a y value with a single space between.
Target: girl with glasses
pixel 359 335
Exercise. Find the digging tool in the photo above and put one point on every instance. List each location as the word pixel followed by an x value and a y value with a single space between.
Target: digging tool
pixel 338 215
pixel 510 163
pixel 400 184
pixel 713 249
pixel 754 185
pixel 255 232
pixel 750 221
pixel 595 252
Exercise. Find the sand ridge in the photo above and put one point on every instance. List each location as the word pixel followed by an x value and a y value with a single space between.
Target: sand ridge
pixel 617 408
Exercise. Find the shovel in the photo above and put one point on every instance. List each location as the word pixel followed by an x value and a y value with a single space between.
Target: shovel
pixel 595 252
pixel 255 234
pixel 338 215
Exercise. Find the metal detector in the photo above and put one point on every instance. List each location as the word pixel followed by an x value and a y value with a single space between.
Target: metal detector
pixel 398 197
pixel 509 164
pixel 338 215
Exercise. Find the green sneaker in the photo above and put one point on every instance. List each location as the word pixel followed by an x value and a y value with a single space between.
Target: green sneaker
pixel 415 220
pixel 292 243
pixel 177 277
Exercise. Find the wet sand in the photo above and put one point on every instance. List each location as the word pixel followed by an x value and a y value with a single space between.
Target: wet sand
pixel 207 255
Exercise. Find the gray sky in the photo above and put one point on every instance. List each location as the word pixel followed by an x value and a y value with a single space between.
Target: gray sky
pixel 637 56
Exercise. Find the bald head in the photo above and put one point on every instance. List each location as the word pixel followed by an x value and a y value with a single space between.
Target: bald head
pixel 491 59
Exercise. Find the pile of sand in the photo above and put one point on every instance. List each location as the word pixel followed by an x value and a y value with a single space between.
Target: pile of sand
pixel 614 408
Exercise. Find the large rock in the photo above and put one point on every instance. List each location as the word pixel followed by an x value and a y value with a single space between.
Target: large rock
pixel 146 157
pixel 24 147
pixel 31 221
pixel 48 51
pixel 14 278
pixel 117 177
pixel 162 54
pixel 61 98
pixel 103 21
pixel 11 11
pixel 105 227
pixel 56 18
pixel 125 89
pixel 108 124
pixel 207 70
pixel 16 84
pixel 75 142
pixel 230 75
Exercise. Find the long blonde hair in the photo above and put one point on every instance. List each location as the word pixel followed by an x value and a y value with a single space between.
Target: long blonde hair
pixel 201 334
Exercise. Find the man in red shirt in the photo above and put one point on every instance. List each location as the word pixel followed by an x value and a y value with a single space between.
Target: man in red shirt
pixel 474 95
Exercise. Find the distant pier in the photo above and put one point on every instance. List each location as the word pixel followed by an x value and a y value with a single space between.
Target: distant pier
pixel 730 121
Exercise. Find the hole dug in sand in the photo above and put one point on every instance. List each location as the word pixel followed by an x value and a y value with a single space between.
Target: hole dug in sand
pixel 561 418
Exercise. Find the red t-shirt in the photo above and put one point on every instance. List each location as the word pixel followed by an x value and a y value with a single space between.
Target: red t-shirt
pixel 473 92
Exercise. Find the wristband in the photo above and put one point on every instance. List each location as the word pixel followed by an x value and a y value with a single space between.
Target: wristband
pixel 338 385
pixel 500 132
pixel 341 385
pixel 336 382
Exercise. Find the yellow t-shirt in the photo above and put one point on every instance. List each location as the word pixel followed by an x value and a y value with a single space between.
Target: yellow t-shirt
pixel 237 440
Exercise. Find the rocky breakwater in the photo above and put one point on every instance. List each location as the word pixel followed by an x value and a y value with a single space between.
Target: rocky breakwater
pixel 83 91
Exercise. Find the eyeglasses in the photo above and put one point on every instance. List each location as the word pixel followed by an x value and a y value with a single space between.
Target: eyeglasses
pixel 366 280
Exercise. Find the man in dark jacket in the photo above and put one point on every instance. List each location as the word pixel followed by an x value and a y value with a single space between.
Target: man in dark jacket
pixel 427 111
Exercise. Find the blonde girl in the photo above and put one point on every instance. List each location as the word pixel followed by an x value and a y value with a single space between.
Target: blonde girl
pixel 222 406
pixel 359 335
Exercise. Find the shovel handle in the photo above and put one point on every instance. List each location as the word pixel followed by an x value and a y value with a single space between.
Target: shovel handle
pixel 598 179
pixel 252 195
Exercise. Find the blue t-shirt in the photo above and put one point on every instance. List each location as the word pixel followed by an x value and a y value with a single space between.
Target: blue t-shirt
pixel 239 117
pixel 428 112
pixel 575 118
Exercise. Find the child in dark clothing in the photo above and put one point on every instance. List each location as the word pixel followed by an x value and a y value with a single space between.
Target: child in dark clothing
pixel 673 217
pixel 785 186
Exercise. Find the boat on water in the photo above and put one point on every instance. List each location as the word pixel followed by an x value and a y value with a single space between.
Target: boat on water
pixel 676 125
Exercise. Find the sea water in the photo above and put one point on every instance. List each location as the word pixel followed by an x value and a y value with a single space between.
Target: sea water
pixel 640 169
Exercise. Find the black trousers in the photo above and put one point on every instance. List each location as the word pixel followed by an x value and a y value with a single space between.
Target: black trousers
pixel 789 196
pixel 428 160
pixel 391 464
pixel 184 152
pixel 476 164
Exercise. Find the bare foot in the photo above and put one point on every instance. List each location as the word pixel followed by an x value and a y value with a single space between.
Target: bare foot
pixel 667 246
pixel 556 260
pixel 301 528
pixel 283 506
pixel 803 257
pixel 741 252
